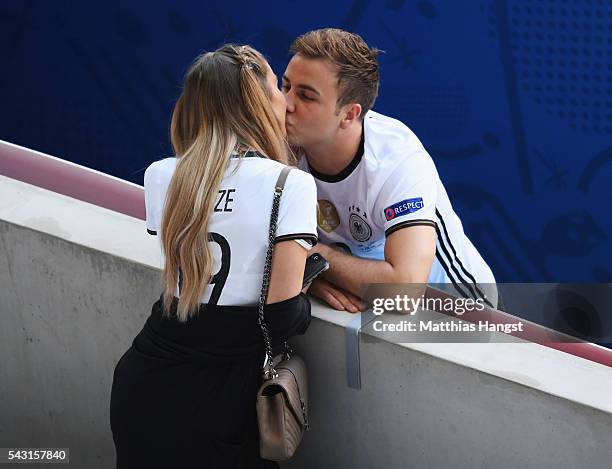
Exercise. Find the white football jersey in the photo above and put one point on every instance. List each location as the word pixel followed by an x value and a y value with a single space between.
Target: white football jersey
pixel 392 183
pixel 239 224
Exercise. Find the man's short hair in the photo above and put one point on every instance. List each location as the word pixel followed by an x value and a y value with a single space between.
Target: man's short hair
pixel 356 62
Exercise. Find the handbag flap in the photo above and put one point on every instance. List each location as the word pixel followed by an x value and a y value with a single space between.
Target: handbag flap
pixel 293 381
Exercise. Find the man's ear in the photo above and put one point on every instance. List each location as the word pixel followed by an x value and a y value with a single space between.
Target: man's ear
pixel 351 113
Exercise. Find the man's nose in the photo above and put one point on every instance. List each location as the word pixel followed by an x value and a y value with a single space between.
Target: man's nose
pixel 289 100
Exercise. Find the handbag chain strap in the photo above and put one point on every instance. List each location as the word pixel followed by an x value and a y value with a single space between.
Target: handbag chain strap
pixel 268 368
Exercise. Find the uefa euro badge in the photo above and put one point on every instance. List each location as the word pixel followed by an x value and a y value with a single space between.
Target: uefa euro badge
pixel 327 216
pixel 360 230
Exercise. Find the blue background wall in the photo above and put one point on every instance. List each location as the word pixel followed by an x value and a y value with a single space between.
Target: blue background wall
pixel 512 98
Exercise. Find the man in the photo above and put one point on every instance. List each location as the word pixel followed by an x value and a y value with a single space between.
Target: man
pixel 384 215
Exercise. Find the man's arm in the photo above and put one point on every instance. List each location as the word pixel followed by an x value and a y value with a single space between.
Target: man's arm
pixel 409 255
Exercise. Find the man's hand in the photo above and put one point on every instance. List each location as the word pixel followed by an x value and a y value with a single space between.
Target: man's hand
pixel 335 296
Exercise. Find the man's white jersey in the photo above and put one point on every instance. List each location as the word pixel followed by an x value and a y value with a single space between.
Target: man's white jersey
pixel 391 185
pixel 239 224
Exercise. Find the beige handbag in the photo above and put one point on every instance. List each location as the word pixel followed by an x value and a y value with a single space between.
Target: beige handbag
pixel 282 400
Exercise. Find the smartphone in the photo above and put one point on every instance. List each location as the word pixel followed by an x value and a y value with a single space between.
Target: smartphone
pixel 315 265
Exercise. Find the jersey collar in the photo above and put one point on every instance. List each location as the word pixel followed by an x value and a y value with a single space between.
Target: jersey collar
pixel 346 172
pixel 248 154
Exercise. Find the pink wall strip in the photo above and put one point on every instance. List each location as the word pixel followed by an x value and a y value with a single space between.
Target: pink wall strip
pixel 71 179
pixel 535 333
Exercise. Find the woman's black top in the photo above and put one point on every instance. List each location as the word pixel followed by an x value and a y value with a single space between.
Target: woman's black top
pixel 183 395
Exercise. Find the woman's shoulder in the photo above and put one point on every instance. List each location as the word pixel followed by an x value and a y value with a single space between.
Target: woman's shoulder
pixel 301 181
pixel 271 169
pixel 160 170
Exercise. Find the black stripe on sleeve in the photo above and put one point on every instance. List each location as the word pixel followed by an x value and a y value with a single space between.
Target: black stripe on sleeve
pixel 151 232
pixel 407 223
pixel 453 248
pixel 459 277
pixel 455 257
pixel 312 239
pixel 448 274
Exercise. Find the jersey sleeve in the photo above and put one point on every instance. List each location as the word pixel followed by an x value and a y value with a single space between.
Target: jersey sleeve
pixel 408 196
pixel 154 203
pixel 297 217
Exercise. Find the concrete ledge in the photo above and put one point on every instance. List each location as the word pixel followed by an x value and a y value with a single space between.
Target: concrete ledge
pixel 78 282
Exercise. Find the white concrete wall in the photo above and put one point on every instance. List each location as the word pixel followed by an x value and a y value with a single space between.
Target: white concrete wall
pixel 70 307
pixel 416 410
pixel 67 313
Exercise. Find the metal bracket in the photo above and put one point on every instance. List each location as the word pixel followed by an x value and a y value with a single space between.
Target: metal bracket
pixel 353 365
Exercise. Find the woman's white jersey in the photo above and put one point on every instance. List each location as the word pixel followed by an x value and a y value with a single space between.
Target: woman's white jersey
pixel 393 184
pixel 239 224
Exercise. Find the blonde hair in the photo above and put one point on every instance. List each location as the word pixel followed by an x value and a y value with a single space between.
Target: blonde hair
pixel 225 102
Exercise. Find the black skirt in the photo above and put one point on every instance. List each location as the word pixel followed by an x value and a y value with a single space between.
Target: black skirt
pixel 183 395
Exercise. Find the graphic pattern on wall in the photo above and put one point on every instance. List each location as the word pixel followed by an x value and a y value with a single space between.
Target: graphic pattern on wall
pixel 512 98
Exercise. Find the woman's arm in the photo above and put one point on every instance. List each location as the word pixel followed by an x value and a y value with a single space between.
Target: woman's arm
pixel 288 263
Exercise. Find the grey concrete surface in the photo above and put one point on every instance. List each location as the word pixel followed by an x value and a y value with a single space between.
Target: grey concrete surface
pixel 67 313
pixel 415 411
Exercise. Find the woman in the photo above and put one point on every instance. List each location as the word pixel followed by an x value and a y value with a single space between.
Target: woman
pixel 184 393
